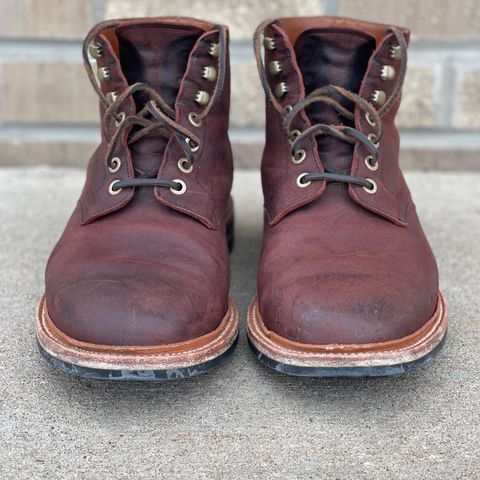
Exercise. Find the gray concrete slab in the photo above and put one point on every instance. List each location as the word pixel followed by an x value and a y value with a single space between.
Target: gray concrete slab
pixel 242 420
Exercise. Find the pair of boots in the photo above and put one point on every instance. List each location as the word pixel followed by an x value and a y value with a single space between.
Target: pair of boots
pixel 137 287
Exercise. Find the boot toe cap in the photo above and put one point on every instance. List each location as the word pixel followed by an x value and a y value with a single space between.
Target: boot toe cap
pixel 330 313
pixel 132 312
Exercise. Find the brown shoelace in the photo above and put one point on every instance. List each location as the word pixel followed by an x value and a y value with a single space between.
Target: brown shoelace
pixel 156 115
pixel 325 96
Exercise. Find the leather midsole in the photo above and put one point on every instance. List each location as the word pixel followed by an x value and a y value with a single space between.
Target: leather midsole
pixel 175 355
pixel 401 350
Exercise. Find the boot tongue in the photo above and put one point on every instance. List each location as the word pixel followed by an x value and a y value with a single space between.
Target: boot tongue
pixel 332 56
pixel 156 54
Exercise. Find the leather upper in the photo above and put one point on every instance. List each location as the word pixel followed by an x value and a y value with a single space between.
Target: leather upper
pixel 147 266
pixel 339 264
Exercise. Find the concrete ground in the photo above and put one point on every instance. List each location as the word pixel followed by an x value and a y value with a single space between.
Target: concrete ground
pixel 242 420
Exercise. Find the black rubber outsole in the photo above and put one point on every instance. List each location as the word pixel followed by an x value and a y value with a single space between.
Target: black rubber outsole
pixel 136 375
pixel 347 372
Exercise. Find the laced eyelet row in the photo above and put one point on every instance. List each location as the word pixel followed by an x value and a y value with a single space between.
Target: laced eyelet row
pixel 156 107
pixel 112 190
pixel 300 155
pixel 209 74
pixel 276 89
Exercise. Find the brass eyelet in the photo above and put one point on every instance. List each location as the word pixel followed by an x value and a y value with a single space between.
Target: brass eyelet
pixel 299 180
pixel 299 157
pixel 104 74
pixel 373 138
pixel 371 162
pixel 275 67
pixel 113 191
pixel 185 165
pixel 396 52
pixel 294 134
pixel 202 97
pixel 387 72
pixel 370 120
pixel 214 50
pixel 373 189
pixel 111 97
pixel 379 97
pixel 195 119
pixel 209 73
pixel 270 43
pixel 115 164
pixel 120 119
pixel 281 89
pixel 182 189
pixel 194 147
pixel 95 50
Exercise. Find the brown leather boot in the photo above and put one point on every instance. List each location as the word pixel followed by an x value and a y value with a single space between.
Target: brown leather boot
pixel 348 285
pixel 137 288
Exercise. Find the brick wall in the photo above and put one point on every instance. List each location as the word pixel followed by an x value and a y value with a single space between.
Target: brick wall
pixel 40 61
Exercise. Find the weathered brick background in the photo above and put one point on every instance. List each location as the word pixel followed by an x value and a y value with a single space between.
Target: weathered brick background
pixel 48 112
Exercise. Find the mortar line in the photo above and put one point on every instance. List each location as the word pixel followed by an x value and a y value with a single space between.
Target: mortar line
pixel 446 96
pixel 332 7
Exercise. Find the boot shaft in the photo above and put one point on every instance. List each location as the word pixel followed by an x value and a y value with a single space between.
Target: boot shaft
pixel 346 76
pixel 164 90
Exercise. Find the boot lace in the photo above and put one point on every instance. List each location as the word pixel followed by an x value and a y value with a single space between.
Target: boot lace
pixel 329 95
pixel 155 116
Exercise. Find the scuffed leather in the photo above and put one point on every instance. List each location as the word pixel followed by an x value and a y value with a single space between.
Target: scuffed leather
pixel 346 267
pixel 142 267
pixel 146 276
pixel 333 272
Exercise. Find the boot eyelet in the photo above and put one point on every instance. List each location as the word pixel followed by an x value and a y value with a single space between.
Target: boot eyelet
pixel 387 72
pixel 287 109
pixel 373 188
pixel 120 119
pixel 195 119
pixel 202 98
pixel 370 120
pixel 371 162
pixel 275 67
pixel 281 90
pixel 104 74
pixel 293 135
pixel 185 165
pixel 396 52
pixel 214 50
pixel 182 189
pixel 373 138
pixel 115 164
pixel 209 73
pixel 300 182
pixel 379 97
pixel 111 97
pixel 299 157
pixel 194 147
pixel 95 50
pixel 114 191
pixel 270 43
